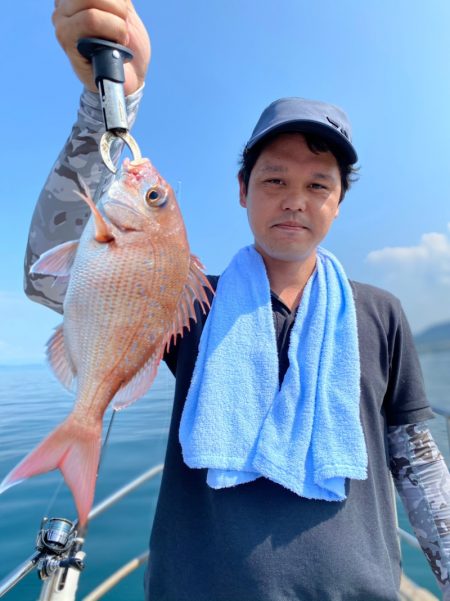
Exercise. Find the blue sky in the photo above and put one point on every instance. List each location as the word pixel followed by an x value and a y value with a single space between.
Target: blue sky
pixel 215 66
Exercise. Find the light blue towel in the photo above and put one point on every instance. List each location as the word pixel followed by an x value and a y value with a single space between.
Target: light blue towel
pixel 306 436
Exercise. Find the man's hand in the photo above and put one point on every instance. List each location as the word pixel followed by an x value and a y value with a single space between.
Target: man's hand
pixel 114 20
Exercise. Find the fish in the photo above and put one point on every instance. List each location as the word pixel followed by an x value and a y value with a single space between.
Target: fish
pixel 132 288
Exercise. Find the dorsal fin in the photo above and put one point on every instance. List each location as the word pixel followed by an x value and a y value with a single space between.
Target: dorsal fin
pixel 195 288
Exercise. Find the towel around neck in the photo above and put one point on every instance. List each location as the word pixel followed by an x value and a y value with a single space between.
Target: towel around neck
pixel 240 424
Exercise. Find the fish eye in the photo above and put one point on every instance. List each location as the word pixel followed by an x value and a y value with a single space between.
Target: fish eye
pixel 155 198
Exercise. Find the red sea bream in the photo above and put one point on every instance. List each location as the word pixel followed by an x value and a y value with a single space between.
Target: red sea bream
pixel 132 287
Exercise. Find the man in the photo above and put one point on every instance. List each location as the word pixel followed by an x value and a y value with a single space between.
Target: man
pixel 255 525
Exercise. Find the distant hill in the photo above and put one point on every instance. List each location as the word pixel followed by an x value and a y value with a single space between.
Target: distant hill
pixel 435 338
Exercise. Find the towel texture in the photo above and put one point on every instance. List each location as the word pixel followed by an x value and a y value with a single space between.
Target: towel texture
pixel 238 422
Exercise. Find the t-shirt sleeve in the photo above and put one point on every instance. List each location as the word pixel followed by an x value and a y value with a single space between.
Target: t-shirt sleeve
pixel 405 401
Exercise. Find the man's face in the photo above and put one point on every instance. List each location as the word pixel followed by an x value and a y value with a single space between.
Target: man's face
pixel 292 198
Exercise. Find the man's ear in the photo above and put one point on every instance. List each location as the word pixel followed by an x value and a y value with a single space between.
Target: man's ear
pixel 242 191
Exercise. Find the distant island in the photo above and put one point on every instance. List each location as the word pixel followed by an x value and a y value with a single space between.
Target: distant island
pixel 434 339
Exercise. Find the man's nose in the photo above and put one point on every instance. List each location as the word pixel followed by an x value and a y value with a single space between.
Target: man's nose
pixel 294 201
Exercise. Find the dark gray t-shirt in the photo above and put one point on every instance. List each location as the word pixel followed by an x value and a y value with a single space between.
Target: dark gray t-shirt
pixel 261 542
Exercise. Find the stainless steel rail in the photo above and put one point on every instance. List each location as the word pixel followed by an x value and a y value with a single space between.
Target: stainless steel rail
pixel 441 410
pixel 116 577
pixel 409 538
pixel 125 490
pixel 18 573
pixel 445 413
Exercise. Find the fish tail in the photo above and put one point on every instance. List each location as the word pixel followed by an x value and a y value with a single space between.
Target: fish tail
pixel 74 448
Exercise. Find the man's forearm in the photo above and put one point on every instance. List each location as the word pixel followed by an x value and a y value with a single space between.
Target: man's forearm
pixel 422 480
pixel 60 215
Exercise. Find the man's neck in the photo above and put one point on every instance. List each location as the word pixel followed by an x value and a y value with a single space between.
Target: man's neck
pixel 288 279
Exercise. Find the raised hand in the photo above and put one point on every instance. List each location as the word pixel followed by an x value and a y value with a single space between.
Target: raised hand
pixel 114 20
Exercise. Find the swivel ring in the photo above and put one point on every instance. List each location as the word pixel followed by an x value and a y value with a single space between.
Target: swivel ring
pixel 106 143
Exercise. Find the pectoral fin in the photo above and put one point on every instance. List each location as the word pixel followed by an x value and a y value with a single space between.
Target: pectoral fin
pixel 103 230
pixel 57 261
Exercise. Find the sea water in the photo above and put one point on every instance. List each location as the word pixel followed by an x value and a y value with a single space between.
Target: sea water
pixel 32 403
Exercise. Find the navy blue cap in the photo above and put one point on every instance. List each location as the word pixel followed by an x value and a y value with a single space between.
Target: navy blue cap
pixel 306 116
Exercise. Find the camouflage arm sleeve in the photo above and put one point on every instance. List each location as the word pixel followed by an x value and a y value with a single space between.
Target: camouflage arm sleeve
pixel 60 215
pixel 422 480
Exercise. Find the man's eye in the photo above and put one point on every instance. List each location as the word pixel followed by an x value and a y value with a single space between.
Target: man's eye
pixel 316 186
pixel 275 180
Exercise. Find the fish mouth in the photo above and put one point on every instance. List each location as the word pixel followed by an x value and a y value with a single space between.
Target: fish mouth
pixel 115 220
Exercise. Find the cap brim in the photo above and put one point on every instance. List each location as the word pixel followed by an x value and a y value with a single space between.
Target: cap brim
pixel 310 127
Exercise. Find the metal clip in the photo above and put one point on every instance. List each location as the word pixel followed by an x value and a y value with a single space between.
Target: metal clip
pixel 105 147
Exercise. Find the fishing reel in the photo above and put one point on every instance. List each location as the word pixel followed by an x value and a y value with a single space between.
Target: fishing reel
pixel 57 543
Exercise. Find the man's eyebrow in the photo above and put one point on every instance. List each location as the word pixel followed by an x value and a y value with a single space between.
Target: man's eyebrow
pixel 273 168
pixel 324 176
pixel 281 169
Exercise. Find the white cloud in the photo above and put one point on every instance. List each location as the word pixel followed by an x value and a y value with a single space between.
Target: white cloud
pixel 419 275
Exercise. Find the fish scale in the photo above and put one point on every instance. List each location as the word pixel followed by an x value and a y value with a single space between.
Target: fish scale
pixel 132 288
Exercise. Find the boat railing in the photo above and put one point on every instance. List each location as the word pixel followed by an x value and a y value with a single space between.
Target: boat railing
pixel 444 412
pixel 28 565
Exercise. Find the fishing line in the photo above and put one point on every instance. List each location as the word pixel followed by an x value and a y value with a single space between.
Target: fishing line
pixel 53 499
pixel 178 190
pixel 105 442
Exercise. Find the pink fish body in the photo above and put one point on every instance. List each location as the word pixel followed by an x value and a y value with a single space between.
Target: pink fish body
pixel 132 287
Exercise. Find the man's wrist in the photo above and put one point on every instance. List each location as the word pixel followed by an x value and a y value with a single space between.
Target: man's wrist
pixel 91 108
